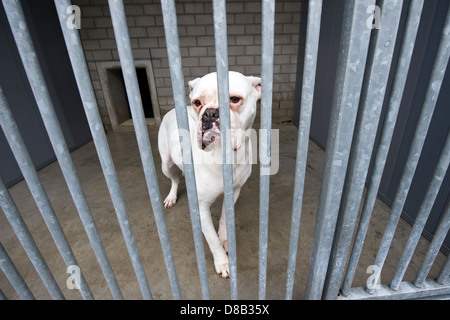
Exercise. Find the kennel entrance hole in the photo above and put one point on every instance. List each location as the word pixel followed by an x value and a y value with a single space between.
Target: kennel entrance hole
pixel 113 86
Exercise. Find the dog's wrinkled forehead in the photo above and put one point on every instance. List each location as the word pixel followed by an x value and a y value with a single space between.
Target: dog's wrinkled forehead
pixel 239 84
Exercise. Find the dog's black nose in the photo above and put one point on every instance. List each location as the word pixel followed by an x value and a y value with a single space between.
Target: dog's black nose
pixel 209 117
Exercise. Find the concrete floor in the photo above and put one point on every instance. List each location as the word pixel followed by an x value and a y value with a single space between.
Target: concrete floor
pixel 128 164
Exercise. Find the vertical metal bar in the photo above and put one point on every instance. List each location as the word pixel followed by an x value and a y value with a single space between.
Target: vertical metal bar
pixel 221 43
pixel 134 97
pixel 37 82
pixel 406 51
pixel 307 99
pixel 267 40
pixel 2 295
pixel 433 250
pixel 23 234
pixel 26 166
pixel 76 54
pixel 9 269
pixel 422 216
pixel 365 131
pixel 176 75
pixel 444 275
pixel 420 134
pixel 351 65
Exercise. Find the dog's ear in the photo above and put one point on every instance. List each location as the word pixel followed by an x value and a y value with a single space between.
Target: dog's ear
pixel 192 84
pixel 256 83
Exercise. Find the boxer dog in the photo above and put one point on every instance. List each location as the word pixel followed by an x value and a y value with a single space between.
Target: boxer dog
pixel 204 126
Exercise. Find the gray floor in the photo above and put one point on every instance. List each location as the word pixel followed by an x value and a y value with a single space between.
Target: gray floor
pixel 124 149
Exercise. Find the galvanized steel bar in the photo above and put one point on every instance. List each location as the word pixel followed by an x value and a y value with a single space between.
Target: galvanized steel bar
pixel 14 277
pixel 407 290
pixel 366 131
pixel 134 97
pixel 406 51
pixel 267 57
pixel 351 65
pixel 23 234
pixel 37 82
pixel 307 99
pixel 81 72
pixel 221 44
pixel 176 74
pixel 420 134
pixel 444 275
pixel 422 216
pixel 433 250
pixel 33 181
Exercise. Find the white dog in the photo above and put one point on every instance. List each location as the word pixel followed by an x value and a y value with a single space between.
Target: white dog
pixel 204 125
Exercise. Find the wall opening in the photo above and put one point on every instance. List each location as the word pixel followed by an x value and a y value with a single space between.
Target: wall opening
pixel 114 91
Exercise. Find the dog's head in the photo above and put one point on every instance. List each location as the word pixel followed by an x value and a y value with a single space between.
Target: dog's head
pixel 244 94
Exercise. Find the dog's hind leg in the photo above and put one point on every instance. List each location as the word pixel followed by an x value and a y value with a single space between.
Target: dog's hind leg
pixel 171 171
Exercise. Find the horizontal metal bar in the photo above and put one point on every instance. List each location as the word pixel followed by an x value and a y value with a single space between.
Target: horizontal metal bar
pixel 307 99
pixel 406 290
pixel 406 51
pixel 36 79
pixel 13 275
pixel 178 88
pixel 81 72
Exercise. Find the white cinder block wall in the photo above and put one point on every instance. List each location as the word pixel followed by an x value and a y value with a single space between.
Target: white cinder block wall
pixel 196 30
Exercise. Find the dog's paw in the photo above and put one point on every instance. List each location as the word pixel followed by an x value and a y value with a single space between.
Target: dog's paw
pixel 222 269
pixel 170 201
pixel 225 245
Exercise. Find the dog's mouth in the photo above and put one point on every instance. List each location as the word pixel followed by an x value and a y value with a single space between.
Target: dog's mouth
pixel 210 128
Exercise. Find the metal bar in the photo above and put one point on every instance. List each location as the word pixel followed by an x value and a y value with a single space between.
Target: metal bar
pixel 422 216
pixel 351 65
pixel 308 85
pixel 444 275
pixel 33 181
pixel 267 57
pixel 433 250
pixel 79 66
pixel 406 51
pixel 9 269
pixel 407 290
pixel 37 82
pixel 221 44
pixel 366 129
pixel 178 88
pixel 134 97
pixel 420 134
pixel 23 234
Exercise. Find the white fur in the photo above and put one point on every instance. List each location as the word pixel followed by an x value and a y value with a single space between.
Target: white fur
pixel 208 171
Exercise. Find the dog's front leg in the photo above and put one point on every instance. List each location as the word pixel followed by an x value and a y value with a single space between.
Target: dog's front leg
pixel 223 221
pixel 219 254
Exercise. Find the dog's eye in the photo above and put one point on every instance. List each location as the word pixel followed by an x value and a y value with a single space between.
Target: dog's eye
pixel 235 100
pixel 197 103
